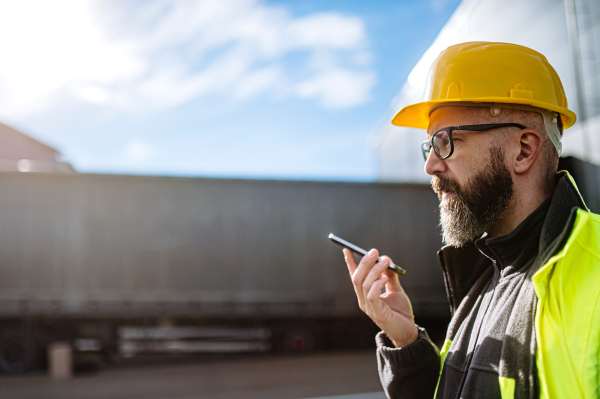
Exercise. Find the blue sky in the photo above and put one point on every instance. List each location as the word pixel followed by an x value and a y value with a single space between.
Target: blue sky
pixel 236 88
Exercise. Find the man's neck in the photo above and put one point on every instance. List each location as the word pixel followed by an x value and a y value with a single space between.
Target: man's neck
pixel 519 208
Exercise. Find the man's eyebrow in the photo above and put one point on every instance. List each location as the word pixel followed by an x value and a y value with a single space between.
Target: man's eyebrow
pixel 430 132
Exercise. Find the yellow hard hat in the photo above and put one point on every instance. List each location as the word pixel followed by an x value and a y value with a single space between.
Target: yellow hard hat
pixel 484 72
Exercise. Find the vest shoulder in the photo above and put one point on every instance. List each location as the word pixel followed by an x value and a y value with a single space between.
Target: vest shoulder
pixel 579 259
pixel 586 233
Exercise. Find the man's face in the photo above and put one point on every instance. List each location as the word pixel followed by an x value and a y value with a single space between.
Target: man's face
pixel 473 185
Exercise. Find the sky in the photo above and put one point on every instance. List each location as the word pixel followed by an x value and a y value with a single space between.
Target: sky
pixel 214 88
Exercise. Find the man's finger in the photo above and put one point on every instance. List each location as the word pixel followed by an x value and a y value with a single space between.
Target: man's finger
pixel 374 274
pixel 393 284
pixel 350 261
pixel 374 295
pixel 358 277
pixel 365 265
pixel 375 304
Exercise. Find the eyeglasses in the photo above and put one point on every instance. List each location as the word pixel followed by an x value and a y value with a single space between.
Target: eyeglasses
pixel 443 145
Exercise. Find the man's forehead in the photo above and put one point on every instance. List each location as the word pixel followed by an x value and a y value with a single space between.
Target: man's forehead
pixel 456 116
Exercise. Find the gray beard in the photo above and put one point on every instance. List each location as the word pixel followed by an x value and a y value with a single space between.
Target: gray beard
pixel 459 224
pixel 475 208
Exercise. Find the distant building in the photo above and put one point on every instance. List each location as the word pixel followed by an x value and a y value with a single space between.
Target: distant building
pixel 567 32
pixel 21 153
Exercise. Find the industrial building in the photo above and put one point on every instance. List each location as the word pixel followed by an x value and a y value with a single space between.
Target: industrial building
pixel 22 153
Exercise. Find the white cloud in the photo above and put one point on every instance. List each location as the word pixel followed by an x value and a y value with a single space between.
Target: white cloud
pixel 257 81
pixel 91 93
pixel 164 53
pixel 338 88
pixel 328 30
pixel 49 47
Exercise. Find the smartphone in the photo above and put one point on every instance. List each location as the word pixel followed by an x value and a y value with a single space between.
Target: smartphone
pixel 362 252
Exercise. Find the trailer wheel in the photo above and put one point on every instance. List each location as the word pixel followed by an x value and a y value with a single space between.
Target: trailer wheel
pixel 17 351
pixel 298 340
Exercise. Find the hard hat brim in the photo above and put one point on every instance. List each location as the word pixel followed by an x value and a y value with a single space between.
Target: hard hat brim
pixel 417 115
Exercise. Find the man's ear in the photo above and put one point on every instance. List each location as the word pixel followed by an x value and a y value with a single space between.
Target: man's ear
pixel 530 146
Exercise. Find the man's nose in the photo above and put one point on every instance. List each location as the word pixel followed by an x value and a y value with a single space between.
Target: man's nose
pixel 434 165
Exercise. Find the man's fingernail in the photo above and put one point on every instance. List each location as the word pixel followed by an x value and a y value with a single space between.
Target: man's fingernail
pixel 371 252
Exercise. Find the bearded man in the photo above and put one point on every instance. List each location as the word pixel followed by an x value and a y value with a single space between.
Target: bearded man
pixel 522 260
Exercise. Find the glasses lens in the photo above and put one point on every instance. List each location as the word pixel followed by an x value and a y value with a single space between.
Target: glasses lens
pixel 441 143
pixel 426 148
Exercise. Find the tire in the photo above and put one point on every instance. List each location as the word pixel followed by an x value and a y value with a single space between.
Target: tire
pixel 17 351
pixel 299 340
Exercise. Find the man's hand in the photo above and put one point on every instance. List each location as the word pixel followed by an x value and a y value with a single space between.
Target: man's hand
pixel 391 311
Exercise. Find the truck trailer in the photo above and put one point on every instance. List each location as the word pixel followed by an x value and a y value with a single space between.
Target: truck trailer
pixel 125 265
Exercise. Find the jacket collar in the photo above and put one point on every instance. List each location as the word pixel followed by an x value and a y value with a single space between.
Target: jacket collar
pixel 511 252
pixel 463 266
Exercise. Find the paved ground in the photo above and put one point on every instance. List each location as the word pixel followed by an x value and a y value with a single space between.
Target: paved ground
pixel 350 375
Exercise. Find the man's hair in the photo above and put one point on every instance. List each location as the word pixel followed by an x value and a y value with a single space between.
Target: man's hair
pixel 548 153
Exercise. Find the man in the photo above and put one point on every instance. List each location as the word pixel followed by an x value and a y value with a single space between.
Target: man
pixel 522 260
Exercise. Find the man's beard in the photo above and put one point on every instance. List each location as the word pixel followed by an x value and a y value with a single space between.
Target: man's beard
pixel 476 207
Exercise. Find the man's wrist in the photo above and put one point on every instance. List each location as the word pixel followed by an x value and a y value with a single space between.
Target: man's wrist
pixel 414 336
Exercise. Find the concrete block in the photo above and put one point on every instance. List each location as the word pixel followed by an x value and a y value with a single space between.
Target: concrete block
pixel 60 360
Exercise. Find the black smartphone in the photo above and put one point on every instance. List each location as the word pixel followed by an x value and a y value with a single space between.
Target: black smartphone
pixel 362 252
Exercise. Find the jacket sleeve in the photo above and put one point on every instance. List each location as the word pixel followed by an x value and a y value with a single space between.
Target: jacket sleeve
pixel 411 371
